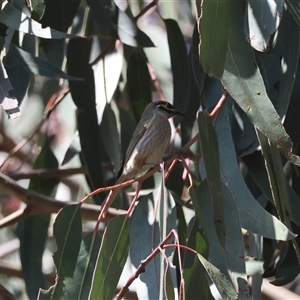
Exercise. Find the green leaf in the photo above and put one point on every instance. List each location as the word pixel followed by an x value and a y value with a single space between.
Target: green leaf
pixel 214 24
pixel 210 153
pixel 67 231
pixel 179 64
pixel 111 258
pixel 163 203
pixel 83 95
pixel 252 216
pixel 294 9
pixel 244 83
pixel 287 46
pixel 79 286
pixel 110 136
pixel 139 85
pixel 224 287
pixel 256 167
pixel 33 231
pixel 228 258
pixel 194 274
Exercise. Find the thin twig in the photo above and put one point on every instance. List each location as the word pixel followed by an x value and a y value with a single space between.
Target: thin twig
pixel 145 10
pixel 38 203
pixel 141 267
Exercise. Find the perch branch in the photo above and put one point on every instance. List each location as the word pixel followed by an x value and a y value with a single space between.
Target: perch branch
pixel 39 204
pixel 47 173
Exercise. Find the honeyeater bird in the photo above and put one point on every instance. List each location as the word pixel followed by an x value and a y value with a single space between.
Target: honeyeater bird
pixel 148 144
pixel 149 140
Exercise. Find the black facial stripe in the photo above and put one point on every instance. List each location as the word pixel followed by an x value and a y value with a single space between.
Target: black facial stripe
pixel 166 106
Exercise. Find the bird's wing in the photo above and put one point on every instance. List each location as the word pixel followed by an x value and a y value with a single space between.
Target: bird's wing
pixel 137 135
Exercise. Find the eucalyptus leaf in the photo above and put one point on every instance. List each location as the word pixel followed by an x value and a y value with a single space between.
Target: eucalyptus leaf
pixel 244 83
pixel 252 216
pixel 33 231
pixel 213 26
pixel 67 231
pixel 111 259
pixel 145 235
pixel 15 19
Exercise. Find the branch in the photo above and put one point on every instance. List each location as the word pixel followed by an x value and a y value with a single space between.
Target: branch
pixel 47 173
pixel 39 204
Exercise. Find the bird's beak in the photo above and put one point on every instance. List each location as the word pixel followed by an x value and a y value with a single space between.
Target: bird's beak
pixel 179 113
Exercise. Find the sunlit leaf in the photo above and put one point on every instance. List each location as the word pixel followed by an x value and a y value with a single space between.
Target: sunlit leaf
pixel 244 83
pixel 263 18
pixel 130 34
pixel 17 20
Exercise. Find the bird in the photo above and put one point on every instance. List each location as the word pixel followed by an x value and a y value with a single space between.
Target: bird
pixel 146 148
pixel 149 140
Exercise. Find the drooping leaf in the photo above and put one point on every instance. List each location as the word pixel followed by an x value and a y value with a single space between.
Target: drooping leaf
pixel 64 12
pixel 294 9
pixel 210 153
pixel 104 14
pixel 196 83
pixel 287 46
pixel 194 274
pixel 227 258
pixel 214 23
pixel 244 83
pixel 225 289
pixel 252 216
pixel 139 86
pixel 144 237
pixel 262 20
pixel 159 56
pixel 34 64
pixel 164 202
pixel 83 95
pixel 79 286
pixel 67 231
pixel 33 231
pixel 130 34
pixel 110 136
pixel 256 167
pixel 107 72
pixel 179 64
pixel 73 149
pixel 17 20
pixel 37 8
pixel 111 259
